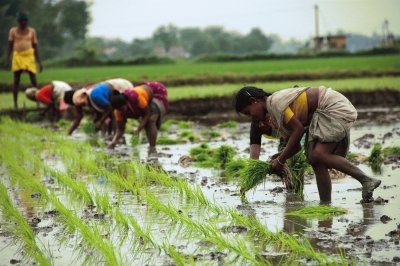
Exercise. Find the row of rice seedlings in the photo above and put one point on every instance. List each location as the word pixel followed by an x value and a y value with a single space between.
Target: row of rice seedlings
pixel 320 212
pixel 90 234
pixel 21 230
pixel 205 231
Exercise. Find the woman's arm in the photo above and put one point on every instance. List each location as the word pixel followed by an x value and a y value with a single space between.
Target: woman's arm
pixel 293 145
pixel 118 135
pixel 144 119
pixel 77 120
pixel 255 150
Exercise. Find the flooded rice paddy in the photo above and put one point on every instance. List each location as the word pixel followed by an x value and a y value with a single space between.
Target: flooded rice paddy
pixel 84 204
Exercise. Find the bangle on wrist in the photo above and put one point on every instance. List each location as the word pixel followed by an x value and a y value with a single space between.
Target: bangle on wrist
pixel 279 161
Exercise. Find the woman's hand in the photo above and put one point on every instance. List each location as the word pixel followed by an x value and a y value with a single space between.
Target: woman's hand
pixel 277 165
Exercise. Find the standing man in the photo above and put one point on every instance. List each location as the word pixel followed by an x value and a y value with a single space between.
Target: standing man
pixel 22 41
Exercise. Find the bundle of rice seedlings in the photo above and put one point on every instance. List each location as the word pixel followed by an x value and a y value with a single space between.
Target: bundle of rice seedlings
pixel 135 140
pixel 202 154
pixel 167 124
pixel 32 117
pixel 233 168
pixel 223 155
pixel 89 129
pixel 391 150
pixel 228 124
pixel 166 141
pixel 63 123
pixel 210 134
pixel 298 166
pixel 255 172
pixel 375 158
pixel 188 135
pixel 318 212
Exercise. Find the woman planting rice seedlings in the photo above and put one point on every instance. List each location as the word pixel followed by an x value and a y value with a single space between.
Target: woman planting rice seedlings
pixel 97 97
pixel 147 102
pixel 51 95
pixel 324 115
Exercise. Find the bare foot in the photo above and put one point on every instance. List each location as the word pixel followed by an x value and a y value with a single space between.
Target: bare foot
pixel 368 189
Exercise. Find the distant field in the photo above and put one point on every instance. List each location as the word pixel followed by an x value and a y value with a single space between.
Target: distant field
pixel 184 92
pixel 191 70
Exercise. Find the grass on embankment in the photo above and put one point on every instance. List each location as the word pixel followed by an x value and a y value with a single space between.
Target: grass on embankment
pixel 185 92
pixel 187 69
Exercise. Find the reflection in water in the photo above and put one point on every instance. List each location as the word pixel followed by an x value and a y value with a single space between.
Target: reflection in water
pixel 293 224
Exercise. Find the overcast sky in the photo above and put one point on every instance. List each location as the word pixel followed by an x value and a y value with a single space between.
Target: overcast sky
pixel 128 19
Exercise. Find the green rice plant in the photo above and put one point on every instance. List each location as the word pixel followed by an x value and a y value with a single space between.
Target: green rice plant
pixel 32 116
pixel 167 124
pixel 318 212
pixel 178 258
pixel 233 168
pixel 89 129
pixel 351 155
pixel 20 229
pixel 253 174
pixel 62 123
pixel 375 158
pixel 135 140
pixel 228 124
pixel 188 135
pixel 298 166
pixel 202 154
pixel 163 140
pixel 210 134
pixel 391 150
pixel 223 155
pixel 185 124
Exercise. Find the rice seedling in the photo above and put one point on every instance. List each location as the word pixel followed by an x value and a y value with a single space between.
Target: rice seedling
pixel 62 123
pixel 228 124
pixel 298 166
pixel 187 135
pixel 21 230
pixel 163 140
pixel 176 256
pixel 135 140
pixel 210 134
pixel 391 150
pixel 223 155
pixel 32 117
pixel 233 168
pixel 202 154
pixel 185 124
pixel 89 129
pixel 375 158
pixel 318 212
pixel 253 174
pixel 351 155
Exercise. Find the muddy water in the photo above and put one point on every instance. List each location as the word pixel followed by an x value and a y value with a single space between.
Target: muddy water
pixel 360 232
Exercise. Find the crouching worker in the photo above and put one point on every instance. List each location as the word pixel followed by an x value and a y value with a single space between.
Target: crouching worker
pixel 97 98
pixel 51 95
pixel 147 102
pixel 324 115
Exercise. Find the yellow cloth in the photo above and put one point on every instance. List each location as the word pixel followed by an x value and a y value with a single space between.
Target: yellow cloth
pixel 299 108
pixel 22 42
pixel 24 60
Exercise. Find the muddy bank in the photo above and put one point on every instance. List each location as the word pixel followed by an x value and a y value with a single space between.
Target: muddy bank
pixel 204 79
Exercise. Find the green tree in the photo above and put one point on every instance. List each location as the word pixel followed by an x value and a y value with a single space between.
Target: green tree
pixel 167 36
